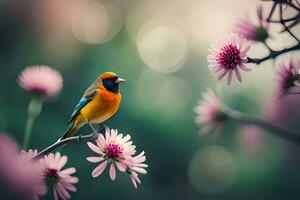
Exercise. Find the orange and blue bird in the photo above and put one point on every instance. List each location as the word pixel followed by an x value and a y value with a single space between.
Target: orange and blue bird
pixel 98 103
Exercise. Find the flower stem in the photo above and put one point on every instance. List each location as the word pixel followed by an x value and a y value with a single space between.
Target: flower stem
pixel 272 128
pixel 34 109
pixel 273 54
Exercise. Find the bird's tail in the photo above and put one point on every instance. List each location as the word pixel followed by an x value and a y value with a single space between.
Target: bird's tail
pixel 70 132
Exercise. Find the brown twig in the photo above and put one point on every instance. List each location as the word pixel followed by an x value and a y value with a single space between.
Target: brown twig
pixel 273 54
pixel 272 128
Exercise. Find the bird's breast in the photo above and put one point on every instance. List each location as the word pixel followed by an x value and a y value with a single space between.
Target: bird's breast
pixel 102 107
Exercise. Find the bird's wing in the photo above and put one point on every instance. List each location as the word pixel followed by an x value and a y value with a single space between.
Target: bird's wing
pixel 88 96
pixel 93 86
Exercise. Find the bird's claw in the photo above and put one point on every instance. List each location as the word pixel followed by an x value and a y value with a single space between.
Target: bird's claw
pixel 95 136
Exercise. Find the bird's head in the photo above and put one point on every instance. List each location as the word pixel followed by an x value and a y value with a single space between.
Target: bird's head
pixel 111 81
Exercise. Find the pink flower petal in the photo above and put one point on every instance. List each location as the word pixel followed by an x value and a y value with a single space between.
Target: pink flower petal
pixel 62 161
pixel 94 159
pixel 112 172
pixel 139 170
pixel 134 179
pixel 237 74
pixel 94 147
pixel 70 187
pixel 120 166
pixel 98 170
pixel 244 67
pixel 229 78
pixel 63 193
pixel 133 182
pixel 55 193
pixel 101 141
pixel 72 180
pixel 223 74
pixel 107 135
pixel 68 171
pixel 246 49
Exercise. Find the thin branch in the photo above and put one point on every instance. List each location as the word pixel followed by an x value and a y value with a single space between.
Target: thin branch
pixel 73 139
pixel 60 143
pixel 290 32
pixel 272 11
pixel 293 6
pixel 285 26
pixel 272 128
pixel 267 46
pixel 273 54
pixel 284 20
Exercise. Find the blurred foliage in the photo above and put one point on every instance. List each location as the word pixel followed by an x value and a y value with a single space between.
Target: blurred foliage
pixel 167 134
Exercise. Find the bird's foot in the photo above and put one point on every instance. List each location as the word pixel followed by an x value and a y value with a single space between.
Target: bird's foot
pixel 95 136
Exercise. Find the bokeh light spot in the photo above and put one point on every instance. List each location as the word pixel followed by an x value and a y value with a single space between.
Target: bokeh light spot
pixel 165 95
pixel 212 170
pixel 94 22
pixel 163 48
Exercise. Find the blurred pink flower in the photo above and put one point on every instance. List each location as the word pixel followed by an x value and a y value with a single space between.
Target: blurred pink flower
pixel 288 78
pixel 285 112
pixel 252 139
pixel 137 165
pixel 245 27
pixel 41 80
pixel 114 148
pixel 28 155
pixel 210 112
pixel 227 56
pixel 62 181
pixel 20 178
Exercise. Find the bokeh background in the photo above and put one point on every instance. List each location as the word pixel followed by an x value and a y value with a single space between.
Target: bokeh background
pixel 160 47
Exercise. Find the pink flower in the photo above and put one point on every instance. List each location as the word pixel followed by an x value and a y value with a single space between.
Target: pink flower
pixel 252 139
pixel 19 178
pixel 284 111
pixel 245 27
pixel 288 78
pixel 210 112
pixel 62 181
pixel 115 149
pixel 28 155
pixel 227 56
pixel 137 165
pixel 41 80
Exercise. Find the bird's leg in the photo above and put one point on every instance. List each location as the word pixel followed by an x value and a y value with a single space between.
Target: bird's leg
pixel 94 131
pixel 102 127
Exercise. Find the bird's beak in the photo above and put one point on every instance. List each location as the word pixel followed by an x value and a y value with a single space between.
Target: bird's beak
pixel 120 80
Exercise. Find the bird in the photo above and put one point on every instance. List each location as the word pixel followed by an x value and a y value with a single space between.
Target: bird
pixel 98 103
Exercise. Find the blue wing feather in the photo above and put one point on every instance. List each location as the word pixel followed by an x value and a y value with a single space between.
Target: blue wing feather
pixel 83 102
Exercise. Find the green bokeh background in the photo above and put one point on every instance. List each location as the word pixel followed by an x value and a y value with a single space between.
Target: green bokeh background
pixel 170 138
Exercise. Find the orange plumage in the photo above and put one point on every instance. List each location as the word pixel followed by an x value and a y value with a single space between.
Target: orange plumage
pixel 99 102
